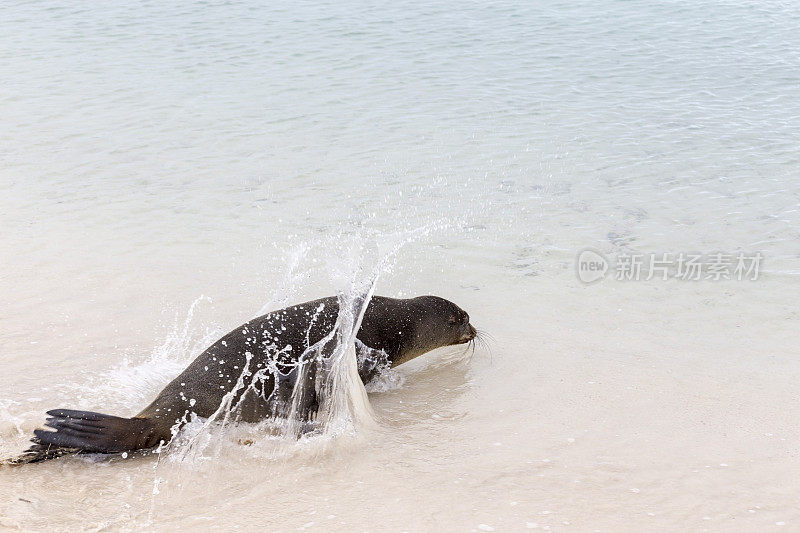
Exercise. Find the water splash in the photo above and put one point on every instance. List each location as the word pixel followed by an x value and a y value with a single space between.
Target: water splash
pixel 344 400
pixel 11 431
pixel 295 272
pixel 345 406
pixel 353 263
pixel 133 383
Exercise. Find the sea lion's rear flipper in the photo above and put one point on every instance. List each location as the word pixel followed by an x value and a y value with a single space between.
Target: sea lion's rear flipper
pixel 85 431
pixel 39 451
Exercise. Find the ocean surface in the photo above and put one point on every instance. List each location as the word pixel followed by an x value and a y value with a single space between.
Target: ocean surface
pixel 169 170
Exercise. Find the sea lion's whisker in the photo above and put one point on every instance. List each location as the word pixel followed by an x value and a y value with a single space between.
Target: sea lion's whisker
pixel 463 355
pixel 484 335
pixel 482 338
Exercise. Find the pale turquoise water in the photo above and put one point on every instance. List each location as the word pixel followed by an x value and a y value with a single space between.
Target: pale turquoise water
pixel 683 116
pixel 153 152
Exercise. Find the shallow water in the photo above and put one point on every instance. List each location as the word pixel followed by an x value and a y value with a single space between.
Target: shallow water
pixel 156 153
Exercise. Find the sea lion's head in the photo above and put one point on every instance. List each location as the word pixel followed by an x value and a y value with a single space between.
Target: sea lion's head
pixel 436 323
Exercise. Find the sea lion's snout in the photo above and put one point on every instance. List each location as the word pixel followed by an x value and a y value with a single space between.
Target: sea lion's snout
pixel 468 335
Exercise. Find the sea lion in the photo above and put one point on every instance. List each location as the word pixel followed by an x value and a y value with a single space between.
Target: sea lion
pixel 256 368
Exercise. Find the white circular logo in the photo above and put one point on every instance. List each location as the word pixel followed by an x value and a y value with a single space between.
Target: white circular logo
pixel 591 266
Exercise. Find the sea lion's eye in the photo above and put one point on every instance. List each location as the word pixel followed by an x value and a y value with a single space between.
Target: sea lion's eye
pixel 452 321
